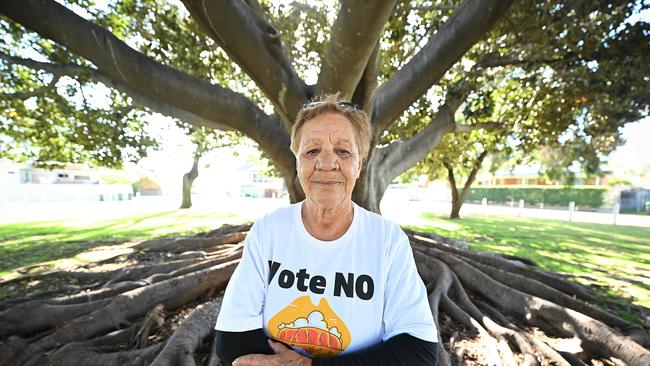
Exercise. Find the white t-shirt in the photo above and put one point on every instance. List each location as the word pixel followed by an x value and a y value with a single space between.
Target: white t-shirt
pixel 327 297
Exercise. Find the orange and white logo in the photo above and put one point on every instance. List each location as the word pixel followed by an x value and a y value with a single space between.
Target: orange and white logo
pixel 315 329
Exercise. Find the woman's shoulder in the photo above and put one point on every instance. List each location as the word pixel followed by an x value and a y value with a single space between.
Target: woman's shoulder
pixel 378 223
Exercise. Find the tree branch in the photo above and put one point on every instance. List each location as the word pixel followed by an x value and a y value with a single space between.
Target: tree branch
pixel 451 178
pixel 139 99
pixel 155 80
pixel 355 33
pixel 368 83
pixel 255 46
pixel 464 28
pixel 472 175
pixel 399 156
pixel 255 6
pixel 488 126
pixel 45 66
pixel 32 93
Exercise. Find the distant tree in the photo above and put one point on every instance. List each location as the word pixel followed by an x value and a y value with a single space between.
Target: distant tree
pixel 204 141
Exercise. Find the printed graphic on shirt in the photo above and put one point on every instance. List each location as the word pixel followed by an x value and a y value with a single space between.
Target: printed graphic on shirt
pixel 347 285
pixel 314 329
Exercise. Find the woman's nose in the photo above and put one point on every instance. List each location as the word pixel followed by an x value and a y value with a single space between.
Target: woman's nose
pixel 327 161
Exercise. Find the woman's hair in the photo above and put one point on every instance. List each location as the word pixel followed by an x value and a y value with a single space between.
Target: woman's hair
pixel 330 103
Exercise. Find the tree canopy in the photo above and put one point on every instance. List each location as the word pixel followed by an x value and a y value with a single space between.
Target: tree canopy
pixel 566 74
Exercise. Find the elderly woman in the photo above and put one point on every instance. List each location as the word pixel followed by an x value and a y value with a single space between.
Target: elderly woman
pixel 324 281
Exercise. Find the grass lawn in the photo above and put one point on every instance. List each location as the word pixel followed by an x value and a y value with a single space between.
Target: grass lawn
pixel 612 256
pixel 48 244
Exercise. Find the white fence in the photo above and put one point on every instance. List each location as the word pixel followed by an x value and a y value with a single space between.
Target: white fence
pixel 31 193
pixel 408 212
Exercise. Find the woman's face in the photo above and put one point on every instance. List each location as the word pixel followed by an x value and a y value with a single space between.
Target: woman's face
pixel 328 159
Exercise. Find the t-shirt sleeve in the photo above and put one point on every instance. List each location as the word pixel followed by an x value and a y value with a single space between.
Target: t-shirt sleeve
pixel 406 307
pixel 243 301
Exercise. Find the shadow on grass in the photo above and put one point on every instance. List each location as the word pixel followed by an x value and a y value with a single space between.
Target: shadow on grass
pixel 32 243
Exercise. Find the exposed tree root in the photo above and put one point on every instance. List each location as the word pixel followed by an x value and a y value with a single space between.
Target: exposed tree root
pixel 83 354
pixel 438 280
pixel 152 322
pixel 4 305
pixel 517 267
pixel 124 307
pixel 490 309
pixel 182 344
pixel 539 289
pixel 33 317
pixel 191 243
pixel 537 311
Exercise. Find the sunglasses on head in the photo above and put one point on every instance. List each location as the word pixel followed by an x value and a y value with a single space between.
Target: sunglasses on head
pixel 343 105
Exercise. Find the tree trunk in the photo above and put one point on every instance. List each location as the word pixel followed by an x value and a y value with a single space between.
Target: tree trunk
pixel 456 203
pixel 457 199
pixel 372 184
pixel 188 180
pixel 296 194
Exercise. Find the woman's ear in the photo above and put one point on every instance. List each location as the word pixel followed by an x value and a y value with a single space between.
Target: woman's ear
pixel 359 165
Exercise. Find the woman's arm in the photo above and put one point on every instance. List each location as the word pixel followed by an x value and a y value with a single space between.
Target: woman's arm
pixel 231 345
pixel 403 349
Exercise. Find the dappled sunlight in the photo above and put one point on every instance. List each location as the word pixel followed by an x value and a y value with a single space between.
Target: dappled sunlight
pixel 41 242
pixel 448 226
pixel 445 224
pixel 102 253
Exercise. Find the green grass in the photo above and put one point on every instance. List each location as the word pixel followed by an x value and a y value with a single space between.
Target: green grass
pixel 46 243
pixel 614 256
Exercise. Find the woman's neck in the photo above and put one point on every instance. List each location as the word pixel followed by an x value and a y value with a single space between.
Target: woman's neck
pixel 327 223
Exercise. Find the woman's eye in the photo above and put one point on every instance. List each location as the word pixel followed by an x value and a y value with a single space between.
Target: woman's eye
pixel 343 152
pixel 312 152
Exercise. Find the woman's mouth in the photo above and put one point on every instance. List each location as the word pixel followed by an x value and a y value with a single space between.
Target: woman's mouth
pixel 327 183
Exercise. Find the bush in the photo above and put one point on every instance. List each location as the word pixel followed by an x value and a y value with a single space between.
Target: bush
pixel 554 196
pixel 146 186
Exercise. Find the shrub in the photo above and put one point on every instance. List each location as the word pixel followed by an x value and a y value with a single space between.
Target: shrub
pixel 555 196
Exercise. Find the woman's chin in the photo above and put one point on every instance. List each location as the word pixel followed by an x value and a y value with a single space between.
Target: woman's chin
pixel 329 200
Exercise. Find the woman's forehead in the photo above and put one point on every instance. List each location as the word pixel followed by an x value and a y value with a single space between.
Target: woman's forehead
pixel 327 124
pixel 333 138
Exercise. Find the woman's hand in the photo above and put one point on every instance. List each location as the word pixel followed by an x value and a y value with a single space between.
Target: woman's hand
pixel 283 356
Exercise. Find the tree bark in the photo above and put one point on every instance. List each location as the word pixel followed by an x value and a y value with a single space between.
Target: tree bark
pixel 254 44
pixel 355 33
